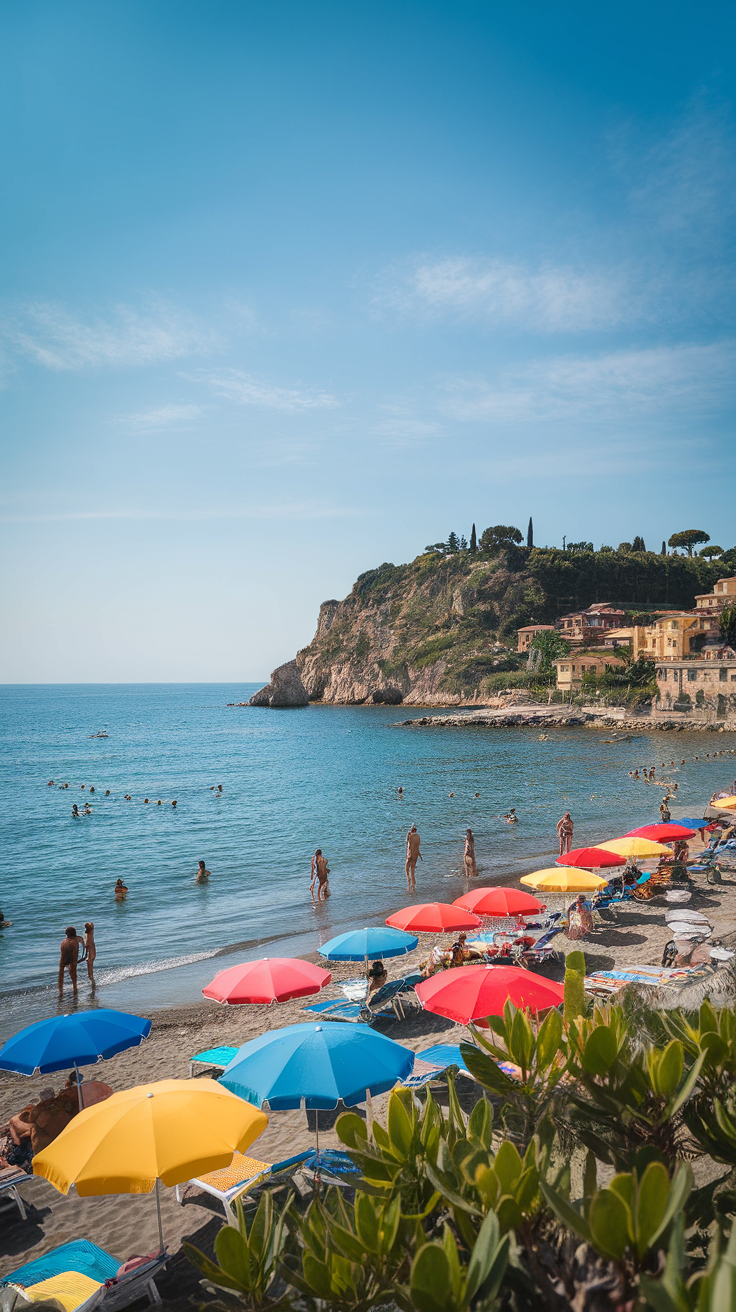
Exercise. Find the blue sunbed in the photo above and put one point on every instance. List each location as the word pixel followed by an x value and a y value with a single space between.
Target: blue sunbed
pixel 78 1255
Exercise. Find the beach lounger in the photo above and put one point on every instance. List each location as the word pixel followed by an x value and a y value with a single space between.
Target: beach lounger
pixel 444 1055
pixel 243 1173
pixel 75 1291
pixel 217 1057
pixel 9 1181
pixel 84 1259
pixel 390 1000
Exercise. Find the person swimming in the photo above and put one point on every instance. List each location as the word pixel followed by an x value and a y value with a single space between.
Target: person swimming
pixel 121 891
pixel 202 874
pixel 173 803
pixel 75 810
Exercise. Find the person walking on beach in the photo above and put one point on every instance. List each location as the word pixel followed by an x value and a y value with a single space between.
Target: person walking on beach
pixel 90 948
pixel 564 833
pixel 69 958
pixel 471 868
pixel 412 856
pixel 320 875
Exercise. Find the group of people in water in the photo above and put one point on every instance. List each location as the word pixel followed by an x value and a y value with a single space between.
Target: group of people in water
pixel 217 789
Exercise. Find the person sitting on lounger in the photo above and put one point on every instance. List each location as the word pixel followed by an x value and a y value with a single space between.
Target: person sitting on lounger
pixel 377 976
pixel 459 954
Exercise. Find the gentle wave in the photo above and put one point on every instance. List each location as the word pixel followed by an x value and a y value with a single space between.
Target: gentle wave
pixel 118 973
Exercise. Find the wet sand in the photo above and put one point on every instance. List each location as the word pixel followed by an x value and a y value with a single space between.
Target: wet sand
pixel 125 1225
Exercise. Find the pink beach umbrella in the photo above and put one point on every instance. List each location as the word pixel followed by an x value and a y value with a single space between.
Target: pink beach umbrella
pixel 273 979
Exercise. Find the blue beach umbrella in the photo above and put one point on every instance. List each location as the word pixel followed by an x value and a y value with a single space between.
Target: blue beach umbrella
pixel 78 1040
pixel 316 1065
pixel 690 823
pixel 360 944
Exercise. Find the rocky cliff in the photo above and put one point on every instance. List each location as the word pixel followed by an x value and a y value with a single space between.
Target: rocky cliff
pixel 442 629
pixel 428 632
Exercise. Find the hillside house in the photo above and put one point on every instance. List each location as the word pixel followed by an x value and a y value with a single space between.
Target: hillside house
pixel 586 628
pixel 570 669
pixel 705 689
pixel 723 594
pixel 674 636
pixel 525 635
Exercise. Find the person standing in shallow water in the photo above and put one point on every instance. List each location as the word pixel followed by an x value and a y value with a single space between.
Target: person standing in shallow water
pixel 469 865
pixel 202 875
pixel 91 950
pixel 412 856
pixel 564 833
pixel 69 958
pixel 320 875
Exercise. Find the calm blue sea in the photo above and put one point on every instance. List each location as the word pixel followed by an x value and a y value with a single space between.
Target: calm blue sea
pixel 292 780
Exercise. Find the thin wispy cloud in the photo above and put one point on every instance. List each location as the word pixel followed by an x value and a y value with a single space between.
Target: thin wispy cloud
pixel 48 334
pixel 549 298
pixel 278 511
pixel 621 383
pixel 161 416
pixel 240 387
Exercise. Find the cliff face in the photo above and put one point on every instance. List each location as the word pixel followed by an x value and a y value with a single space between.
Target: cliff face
pixel 423 632
pixel 435 631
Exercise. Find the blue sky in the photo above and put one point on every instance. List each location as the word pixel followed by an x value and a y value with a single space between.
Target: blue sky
pixel 291 289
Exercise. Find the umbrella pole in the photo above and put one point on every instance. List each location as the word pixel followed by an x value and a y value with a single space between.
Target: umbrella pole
pixel 158 1213
pixel 369 1111
pixel 79 1088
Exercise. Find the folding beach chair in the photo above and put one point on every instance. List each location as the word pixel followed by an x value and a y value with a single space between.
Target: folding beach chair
pixel 9 1181
pixel 89 1263
pixel 389 1000
pixel 243 1173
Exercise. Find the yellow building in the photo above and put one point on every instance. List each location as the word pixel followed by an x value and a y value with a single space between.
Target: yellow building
pixel 570 669
pixel 723 594
pixel 674 637
pixel 525 635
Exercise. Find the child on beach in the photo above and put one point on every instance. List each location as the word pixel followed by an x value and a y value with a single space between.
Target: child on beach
pixel 89 945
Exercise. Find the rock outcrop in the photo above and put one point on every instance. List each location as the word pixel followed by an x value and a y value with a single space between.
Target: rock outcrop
pixel 285 689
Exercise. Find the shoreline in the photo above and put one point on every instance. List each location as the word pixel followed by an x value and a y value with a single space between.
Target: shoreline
pixel 541 715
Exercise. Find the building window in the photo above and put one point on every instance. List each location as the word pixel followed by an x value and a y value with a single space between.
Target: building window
pixel 692 676
pixel 663 675
pixel 723 675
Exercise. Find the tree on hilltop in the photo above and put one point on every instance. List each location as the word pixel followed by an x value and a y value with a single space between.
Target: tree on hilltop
pixel 638 544
pixel 689 538
pixel 500 536
pixel 473 540
pixel 711 551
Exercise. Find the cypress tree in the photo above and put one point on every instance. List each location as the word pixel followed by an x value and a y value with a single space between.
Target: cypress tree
pixel 530 534
pixel 473 540
pixel 664 548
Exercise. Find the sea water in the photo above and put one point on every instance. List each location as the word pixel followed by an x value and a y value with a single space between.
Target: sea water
pixel 292 780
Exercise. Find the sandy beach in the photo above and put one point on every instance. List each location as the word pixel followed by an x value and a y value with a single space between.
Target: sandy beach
pixel 125 1225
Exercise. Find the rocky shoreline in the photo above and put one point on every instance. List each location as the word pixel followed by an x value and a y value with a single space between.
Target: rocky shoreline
pixel 546 717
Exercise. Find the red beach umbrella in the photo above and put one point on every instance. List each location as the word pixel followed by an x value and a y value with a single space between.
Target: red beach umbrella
pixel 662 832
pixel 591 858
pixel 433 918
pixel 498 902
pixel 468 993
pixel 273 979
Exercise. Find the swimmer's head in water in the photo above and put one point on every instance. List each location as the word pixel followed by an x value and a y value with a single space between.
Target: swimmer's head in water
pixel 91 788
pixel 173 803
pixel 70 931
pixel 158 802
pixel 107 792
pixel 145 799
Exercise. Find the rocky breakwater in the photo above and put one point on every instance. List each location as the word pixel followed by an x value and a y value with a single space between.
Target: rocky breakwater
pixel 536 717
pixel 285 689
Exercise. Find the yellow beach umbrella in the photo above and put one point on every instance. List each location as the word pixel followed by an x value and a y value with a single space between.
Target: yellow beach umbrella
pixel 564 879
pixel 173 1130
pixel 641 847
pixel 725 803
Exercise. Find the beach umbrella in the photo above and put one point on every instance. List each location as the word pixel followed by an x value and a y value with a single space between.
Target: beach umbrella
pixel 433 918
pixel 693 822
pixel 725 803
pixel 77 1040
pixel 173 1130
pixel 470 993
pixel 499 902
pixel 635 847
pixel 662 833
pixel 590 858
pixel 360 944
pixel 273 979
pixel 316 1065
pixel 561 879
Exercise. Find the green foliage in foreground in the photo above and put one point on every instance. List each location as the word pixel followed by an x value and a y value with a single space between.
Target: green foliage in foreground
pixel 507 1207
